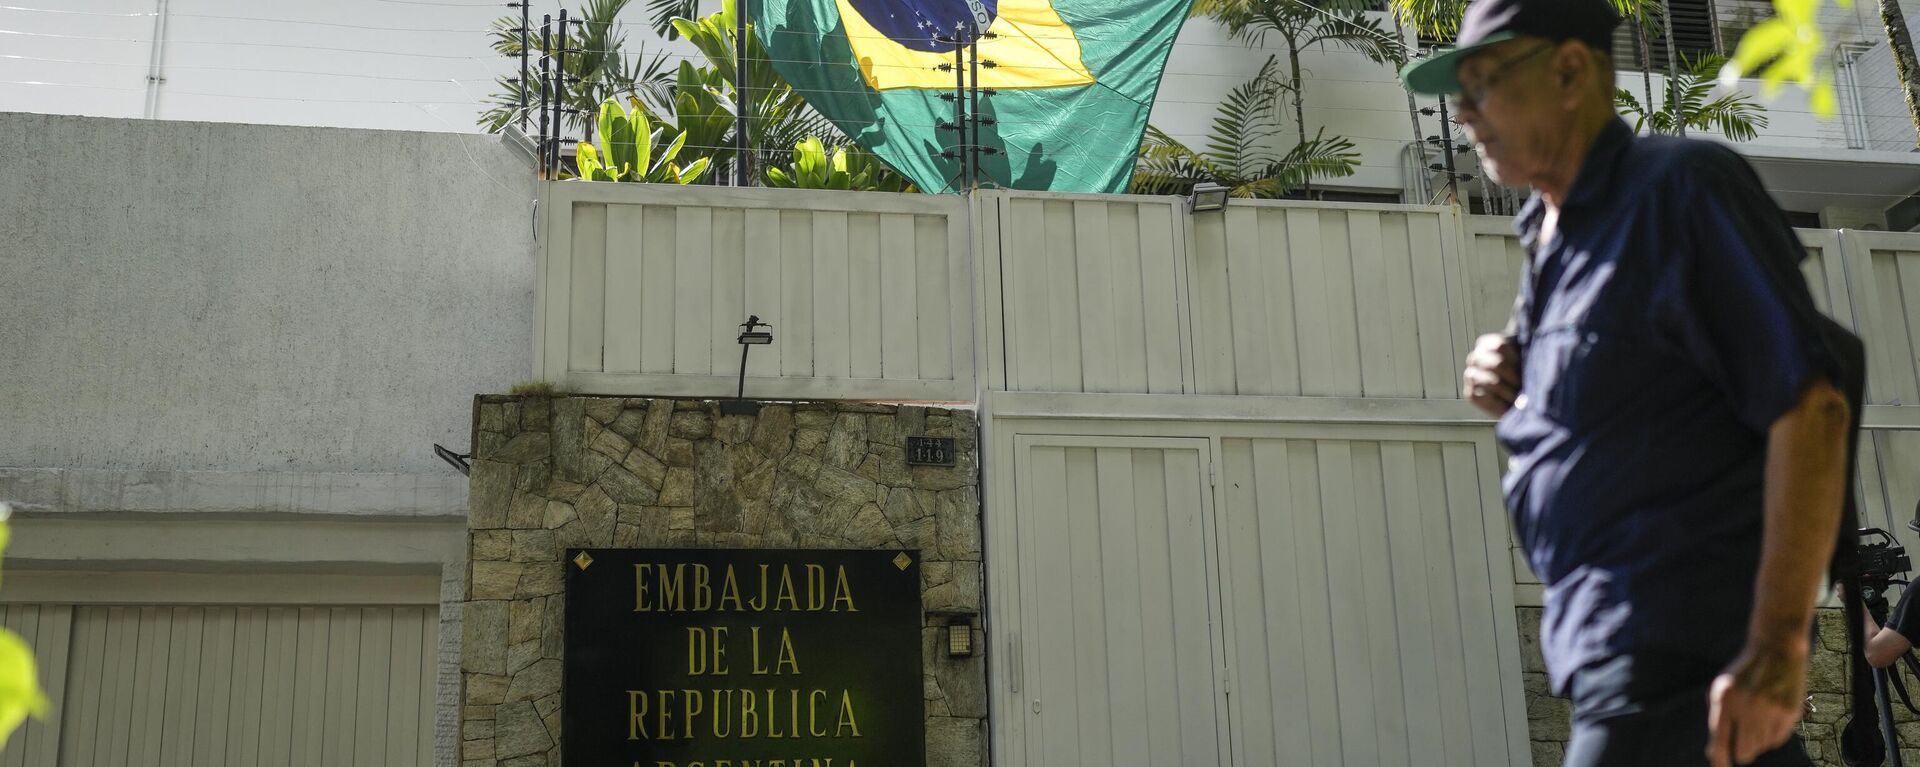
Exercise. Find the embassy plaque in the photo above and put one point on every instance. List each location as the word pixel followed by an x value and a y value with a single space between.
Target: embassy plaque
pixel 743 658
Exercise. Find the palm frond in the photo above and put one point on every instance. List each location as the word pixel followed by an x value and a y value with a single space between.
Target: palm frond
pixel 1690 102
pixel 1357 32
pixel 1166 166
pixel 1319 157
pixel 1246 119
pixel 661 13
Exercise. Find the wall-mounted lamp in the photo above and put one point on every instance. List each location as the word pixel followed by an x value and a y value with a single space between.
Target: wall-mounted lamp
pixel 1207 197
pixel 749 338
pixel 959 638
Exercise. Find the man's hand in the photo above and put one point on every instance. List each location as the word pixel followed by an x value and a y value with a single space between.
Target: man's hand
pixel 1753 705
pixel 1492 378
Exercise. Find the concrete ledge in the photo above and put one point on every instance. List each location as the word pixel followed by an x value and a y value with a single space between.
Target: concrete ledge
pixel 54 491
pixel 313 544
pixel 141 587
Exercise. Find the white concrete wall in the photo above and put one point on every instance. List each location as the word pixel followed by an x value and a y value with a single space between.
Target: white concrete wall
pixel 203 297
pixel 228 349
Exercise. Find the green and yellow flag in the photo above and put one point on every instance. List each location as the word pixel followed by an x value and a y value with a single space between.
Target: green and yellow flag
pixel 1072 81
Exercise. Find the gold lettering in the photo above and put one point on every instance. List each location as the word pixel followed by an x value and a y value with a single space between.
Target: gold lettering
pixel 723 763
pixel 706 651
pixel 758 670
pixel 787 659
pixel 749 715
pixel 843 593
pixel 846 716
pixel 696 651
pixel 663 727
pixel 816 588
pixel 730 591
pixel 636 715
pixel 696 704
pixel 639 588
pixel 813 712
pixel 793 713
pixel 702 591
pixel 723 703
pixel 673 588
pixel 661 763
pixel 772 719
pixel 762 604
pixel 787 596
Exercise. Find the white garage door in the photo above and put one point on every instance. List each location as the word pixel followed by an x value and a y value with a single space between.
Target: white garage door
pixel 229 685
pixel 1120 658
pixel 1253 594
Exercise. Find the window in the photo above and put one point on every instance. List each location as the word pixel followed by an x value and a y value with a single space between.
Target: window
pixel 1692 34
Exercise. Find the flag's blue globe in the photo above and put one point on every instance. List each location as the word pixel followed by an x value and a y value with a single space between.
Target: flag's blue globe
pixel 915 24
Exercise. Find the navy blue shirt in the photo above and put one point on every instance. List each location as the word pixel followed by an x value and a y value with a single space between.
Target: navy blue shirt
pixel 1663 330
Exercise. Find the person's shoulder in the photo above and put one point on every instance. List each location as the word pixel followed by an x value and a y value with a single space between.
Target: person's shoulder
pixel 1675 161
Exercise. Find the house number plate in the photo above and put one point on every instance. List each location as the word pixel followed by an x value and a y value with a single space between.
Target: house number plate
pixel 930 451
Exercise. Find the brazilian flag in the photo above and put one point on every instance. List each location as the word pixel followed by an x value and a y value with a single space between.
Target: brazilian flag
pixel 1073 81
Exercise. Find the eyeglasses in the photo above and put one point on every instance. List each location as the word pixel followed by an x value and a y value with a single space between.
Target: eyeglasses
pixel 1475 94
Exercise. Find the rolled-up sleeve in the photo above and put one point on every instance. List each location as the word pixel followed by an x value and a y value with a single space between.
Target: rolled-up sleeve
pixel 1734 298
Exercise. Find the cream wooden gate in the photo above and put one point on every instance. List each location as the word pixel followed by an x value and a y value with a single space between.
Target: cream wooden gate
pixel 1120 663
pixel 1255 582
pixel 218 685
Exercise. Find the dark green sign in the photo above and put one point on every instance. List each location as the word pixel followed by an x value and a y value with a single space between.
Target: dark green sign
pixel 743 658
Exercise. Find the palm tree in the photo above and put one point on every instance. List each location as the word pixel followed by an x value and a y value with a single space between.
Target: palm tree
pixel 1237 155
pixel 597 69
pixel 1299 24
pixel 1688 104
pixel 1900 42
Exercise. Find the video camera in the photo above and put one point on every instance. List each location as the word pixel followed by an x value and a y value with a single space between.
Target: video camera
pixel 1882 561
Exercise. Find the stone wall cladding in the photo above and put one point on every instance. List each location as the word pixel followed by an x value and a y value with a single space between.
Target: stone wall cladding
pixel 1548 715
pixel 550 474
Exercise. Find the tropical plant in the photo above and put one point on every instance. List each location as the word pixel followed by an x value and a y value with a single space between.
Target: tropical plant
pixel 1300 24
pixel 814 165
pixel 1238 154
pixel 777 116
pixel 633 149
pixel 689 112
pixel 597 69
pixel 20 693
pixel 1787 49
pixel 1690 104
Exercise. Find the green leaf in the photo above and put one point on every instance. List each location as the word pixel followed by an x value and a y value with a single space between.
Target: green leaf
pixel 693 171
pixel 20 694
pixel 588 161
pixel 617 133
pixel 644 138
pixel 672 151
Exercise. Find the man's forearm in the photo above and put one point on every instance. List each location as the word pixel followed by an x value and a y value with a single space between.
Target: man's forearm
pixel 1805 483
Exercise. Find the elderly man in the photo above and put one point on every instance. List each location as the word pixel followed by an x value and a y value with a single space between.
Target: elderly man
pixel 1678 448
